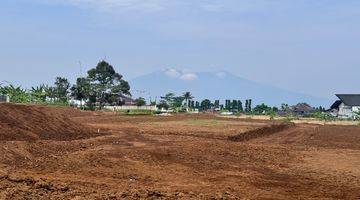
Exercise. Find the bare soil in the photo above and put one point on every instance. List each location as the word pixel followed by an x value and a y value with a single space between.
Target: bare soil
pixel 99 155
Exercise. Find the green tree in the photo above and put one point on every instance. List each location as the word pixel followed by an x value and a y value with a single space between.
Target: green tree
pixel 228 105
pixel 140 101
pixel 62 87
pixel 197 105
pixel 250 105
pixel 187 96
pixel 240 106
pixel 217 104
pixel 246 105
pixel 81 90
pixel 234 105
pixel 106 83
pixel 163 104
pixel 205 104
pixel 175 102
pixel 262 109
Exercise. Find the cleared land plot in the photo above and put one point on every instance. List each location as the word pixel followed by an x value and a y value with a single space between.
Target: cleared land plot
pixel 183 157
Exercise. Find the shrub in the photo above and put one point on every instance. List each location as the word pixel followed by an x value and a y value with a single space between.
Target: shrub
pixel 323 116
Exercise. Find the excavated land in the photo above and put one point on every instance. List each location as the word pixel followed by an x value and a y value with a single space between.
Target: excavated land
pixel 61 153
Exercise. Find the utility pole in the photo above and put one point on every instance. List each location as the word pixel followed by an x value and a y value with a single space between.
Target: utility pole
pixel 80 65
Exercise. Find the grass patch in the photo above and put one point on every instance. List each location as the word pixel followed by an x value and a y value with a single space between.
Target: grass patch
pixel 138 112
pixel 196 122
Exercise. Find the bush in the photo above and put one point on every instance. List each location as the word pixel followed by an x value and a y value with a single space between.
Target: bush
pixel 158 112
pixel 323 116
pixel 272 115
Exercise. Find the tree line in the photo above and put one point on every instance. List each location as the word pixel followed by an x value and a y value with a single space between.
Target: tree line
pixel 101 86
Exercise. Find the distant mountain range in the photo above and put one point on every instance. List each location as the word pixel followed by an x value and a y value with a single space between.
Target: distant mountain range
pixel 216 85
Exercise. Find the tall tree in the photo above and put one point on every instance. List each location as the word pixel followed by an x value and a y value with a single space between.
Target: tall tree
pixel 227 105
pixel 234 105
pixel 106 83
pixel 206 104
pixel 246 105
pixel 250 106
pixel 62 86
pixel 187 96
pixel 197 105
pixel 240 106
pixel 81 90
pixel 217 104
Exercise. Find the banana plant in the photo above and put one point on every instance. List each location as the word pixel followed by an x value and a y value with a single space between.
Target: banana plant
pixel 16 94
pixel 39 93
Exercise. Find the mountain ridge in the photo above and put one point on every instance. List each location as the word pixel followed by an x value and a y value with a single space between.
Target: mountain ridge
pixel 217 85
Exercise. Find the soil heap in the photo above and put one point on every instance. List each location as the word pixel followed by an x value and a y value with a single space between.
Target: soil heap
pixel 34 122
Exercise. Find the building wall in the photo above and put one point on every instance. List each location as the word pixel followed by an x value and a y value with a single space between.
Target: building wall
pixel 356 108
pixel 347 111
pixel 4 98
pixel 115 108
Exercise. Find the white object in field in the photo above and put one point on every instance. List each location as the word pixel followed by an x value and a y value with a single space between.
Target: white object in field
pixel 227 113
pixel 4 98
pixel 131 107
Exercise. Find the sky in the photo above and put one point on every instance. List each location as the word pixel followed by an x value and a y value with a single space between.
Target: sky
pixel 306 46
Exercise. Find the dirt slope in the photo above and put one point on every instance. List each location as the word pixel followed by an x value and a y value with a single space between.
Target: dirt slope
pixel 33 122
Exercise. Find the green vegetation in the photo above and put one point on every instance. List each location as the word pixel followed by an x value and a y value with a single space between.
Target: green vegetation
pixel 323 116
pixel 263 109
pixel 139 112
pixel 16 94
pixel 140 101
pixel 101 86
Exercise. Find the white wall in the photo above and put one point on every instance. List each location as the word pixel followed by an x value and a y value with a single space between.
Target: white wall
pixel 115 108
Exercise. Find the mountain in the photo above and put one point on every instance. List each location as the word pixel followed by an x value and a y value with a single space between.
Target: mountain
pixel 216 85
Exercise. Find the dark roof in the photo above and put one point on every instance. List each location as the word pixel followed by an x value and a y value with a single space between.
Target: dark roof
pixel 302 107
pixel 350 99
pixel 126 99
pixel 336 104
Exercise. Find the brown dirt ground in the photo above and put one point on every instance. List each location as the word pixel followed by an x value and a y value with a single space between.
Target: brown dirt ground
pixel 181 157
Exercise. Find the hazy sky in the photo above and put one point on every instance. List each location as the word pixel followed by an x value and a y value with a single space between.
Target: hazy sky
pixel 309 46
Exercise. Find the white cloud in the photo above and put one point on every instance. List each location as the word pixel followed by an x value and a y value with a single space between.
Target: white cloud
pixel 188 77
pixel 184 75
pixel 173 73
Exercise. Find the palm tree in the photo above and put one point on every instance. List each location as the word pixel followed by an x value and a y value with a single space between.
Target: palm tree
pixel 187 96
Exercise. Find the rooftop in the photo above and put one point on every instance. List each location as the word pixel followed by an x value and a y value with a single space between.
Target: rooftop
pixel 350 99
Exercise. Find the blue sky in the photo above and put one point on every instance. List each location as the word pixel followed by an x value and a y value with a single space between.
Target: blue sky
pixel 305 46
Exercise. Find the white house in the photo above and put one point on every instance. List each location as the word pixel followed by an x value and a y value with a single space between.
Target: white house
pixel 347 107
pixel 4 98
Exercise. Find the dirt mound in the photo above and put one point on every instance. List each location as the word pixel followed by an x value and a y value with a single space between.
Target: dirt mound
pixel 33 122
pixel 260 132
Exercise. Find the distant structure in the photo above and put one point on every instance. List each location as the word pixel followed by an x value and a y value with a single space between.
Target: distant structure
pixel 4 98
pixel 302 109
pixel 125 100
pixel 347 106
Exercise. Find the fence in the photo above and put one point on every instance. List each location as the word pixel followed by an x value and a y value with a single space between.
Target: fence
pixel 115 108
